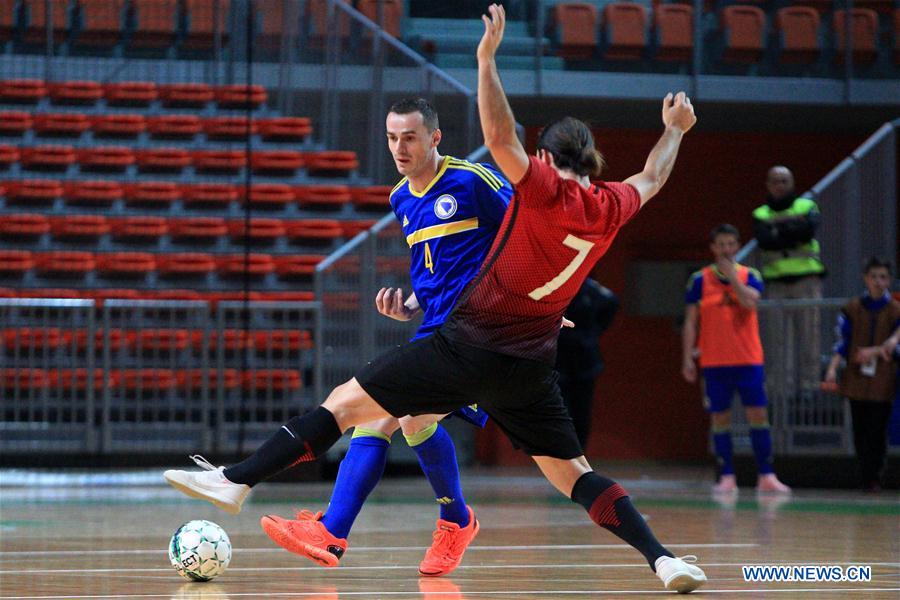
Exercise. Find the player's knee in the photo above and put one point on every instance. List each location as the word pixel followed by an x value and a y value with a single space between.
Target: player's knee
pixel 757 416
pixel 382 427
pixel 348 403
pixel 721 420
pixel 415 426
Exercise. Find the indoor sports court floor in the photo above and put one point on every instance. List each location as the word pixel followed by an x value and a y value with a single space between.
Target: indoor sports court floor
pixel 89 537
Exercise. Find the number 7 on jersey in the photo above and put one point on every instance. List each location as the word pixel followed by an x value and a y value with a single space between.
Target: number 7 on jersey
pixel 583 247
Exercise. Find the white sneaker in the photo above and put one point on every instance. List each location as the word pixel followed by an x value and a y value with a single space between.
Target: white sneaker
pixel 209 484
pixel 678 575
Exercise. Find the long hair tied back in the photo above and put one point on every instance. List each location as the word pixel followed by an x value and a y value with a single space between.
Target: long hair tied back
pixel 571 144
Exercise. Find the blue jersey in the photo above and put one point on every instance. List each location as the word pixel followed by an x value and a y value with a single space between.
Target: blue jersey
pixel 449 226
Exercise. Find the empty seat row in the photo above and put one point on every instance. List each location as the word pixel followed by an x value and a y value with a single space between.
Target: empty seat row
pixel 279 340
pixel 132 93
pixel 174 160
pixel 743 28
pixel 100 295
pixel 281 129
pixel 149 228
pixel 138 264
pixel 150 379
pixel 28 192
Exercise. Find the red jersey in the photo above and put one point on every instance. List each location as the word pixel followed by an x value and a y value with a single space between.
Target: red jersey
pixel 553 233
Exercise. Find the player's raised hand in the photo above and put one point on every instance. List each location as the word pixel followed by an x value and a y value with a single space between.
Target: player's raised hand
pixel 390 303
pixel 678 112
pixel 493 32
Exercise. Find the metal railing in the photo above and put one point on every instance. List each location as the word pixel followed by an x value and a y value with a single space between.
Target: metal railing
pixel 141 376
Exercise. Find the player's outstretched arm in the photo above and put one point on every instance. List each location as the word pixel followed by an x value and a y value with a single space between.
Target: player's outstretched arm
pixel 497 121
pixel 678 117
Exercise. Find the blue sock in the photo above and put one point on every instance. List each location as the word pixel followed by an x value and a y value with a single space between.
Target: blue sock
pixel 761 440
pixel 437 457
pixel 722 445
pixel 357 476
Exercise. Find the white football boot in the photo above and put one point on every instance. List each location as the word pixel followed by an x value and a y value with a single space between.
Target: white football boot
pixel 210 485
pixel 679 576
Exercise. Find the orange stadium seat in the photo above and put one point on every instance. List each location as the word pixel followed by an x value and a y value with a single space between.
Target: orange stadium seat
pixel 297 266
pixel 232 339
pixel 25 379
pixel 16 261
pixel 219 161
pixel 174 126
pixel 355 227
pixel 46 292
pixel 323 196
pixel 240 96
pixel 260 230
pixel 79 227
pixel 23 226
pixel 93 192
pixel 158 339
pixel 373 197
pixel 287 340
pixel 118 126
pixel 275 379
pixel 236 265
pixel 276 162
pixel 229 128
pixel 392 14
pixel 269 195
pixel 192 379
pixel 314 230
pixel 125 264
pixel 163 160
pixel 171 294
pixel 208 18
pixel 101 22
pixel 155 23
pixel 152 193
pixel 141 228
pixel 192 95
pixel 187 264
pixel 22 91
pixel 625 31
pixel 75 92
pixel 798 28
pixel 865 35
pixel 8 19
pixel 331 162
pixel 130 93
pixel 146 380
pixel 674 28
pixel 105 158
pixel 8 156
pixel 61 124
pixel 198 228
pixel 15 122
pixel 744 29
pixel 78 379
pixel 292 296
pixel 284 129
pixel 36 10
pixel 576 26
pixel 64 263
pixel 209 194
pixel 317 13
pixel 33 191
pixel 50 158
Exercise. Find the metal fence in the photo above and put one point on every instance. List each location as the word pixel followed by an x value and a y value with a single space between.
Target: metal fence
pixel 150 376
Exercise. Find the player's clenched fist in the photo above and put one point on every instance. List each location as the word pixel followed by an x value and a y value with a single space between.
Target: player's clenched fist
pixel 678 112
pixel 390 303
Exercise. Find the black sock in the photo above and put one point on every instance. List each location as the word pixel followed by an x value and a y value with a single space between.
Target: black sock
pixel 301 439
pixel 610 507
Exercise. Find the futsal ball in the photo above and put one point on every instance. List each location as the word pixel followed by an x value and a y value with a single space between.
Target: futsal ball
pixel 200 550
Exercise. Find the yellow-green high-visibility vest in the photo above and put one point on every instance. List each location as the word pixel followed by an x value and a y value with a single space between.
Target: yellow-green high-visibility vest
pixel 790 262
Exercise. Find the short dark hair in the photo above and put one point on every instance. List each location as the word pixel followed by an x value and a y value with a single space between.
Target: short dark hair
pixel 420 105
pixel 571 144
pixel 875 262
pixel 724 229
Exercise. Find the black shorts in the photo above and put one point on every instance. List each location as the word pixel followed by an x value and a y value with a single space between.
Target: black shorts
pixel 436 375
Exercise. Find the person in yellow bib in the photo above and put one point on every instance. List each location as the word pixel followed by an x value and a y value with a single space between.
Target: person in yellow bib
pixel 721 330
pixel 785 228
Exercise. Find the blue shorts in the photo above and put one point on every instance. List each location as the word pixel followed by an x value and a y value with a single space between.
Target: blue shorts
pixel 720 384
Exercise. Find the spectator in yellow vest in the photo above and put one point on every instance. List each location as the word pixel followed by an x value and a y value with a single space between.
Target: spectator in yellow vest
pixel 721 303
pixel 785 228
pixel 869 333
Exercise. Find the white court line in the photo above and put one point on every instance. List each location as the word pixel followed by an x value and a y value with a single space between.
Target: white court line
pixel 641 565
pixel 343 594
pixel 375 549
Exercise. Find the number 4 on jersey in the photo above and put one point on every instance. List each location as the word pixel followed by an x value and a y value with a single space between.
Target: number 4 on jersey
pixel 429 262
pixel 583 247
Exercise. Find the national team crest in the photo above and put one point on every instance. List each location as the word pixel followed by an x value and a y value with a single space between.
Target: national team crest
pixel 445 207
